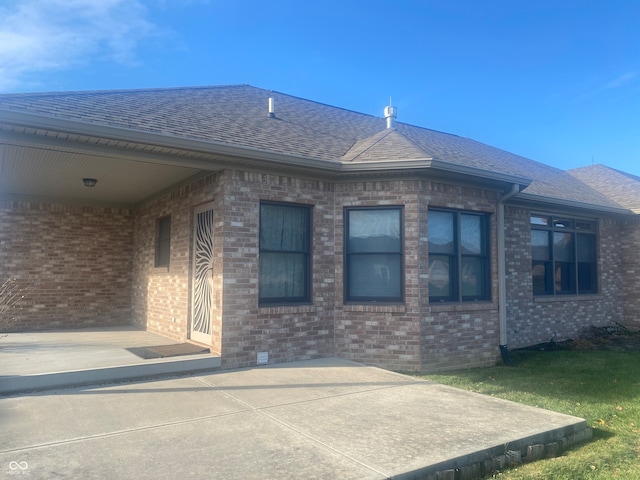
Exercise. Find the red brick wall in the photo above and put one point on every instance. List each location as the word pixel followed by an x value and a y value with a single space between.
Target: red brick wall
pixel 287 333
pixel 161 295
pixel 416 335
pixel 412 336
pixel 75 262
pixel 382 335
pixel 461 335
pixel 91 266
pixel 241 328
pixel 533 320
pixel 630 234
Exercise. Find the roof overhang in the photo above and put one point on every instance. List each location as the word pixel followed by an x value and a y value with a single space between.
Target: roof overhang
pixel 46 157
pixel 558 203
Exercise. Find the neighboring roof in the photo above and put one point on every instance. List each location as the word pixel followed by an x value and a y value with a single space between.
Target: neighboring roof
pixel 238 116
pixel 621 187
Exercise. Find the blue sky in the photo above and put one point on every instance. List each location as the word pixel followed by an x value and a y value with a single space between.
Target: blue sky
pixel 556 81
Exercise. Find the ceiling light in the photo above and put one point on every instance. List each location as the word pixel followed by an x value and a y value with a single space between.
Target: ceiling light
pixel 89 182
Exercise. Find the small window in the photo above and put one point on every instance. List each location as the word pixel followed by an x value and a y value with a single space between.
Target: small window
pixel 458 256
pixel 373 255
pixel 538 220
pixel 563 253
pixel 285 254
pixel 163 241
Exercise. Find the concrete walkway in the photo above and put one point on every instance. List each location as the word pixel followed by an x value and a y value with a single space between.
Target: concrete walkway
pixel 317 419
pixel 42 360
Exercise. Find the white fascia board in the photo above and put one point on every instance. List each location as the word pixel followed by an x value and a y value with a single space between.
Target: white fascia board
pixel 573 204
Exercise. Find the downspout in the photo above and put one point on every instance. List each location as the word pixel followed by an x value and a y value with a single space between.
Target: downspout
pixel 502 275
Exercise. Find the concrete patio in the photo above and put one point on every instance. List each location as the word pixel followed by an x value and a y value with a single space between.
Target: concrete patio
pixel 44 360
pixel 328 418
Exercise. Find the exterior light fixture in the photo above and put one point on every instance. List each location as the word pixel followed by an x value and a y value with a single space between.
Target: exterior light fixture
pixel 89 182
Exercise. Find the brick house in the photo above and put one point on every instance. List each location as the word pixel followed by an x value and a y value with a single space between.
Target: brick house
pixel 259 223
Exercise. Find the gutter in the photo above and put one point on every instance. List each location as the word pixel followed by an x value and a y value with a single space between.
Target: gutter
pixel 502 275
pixel 476 172
pixel 574 204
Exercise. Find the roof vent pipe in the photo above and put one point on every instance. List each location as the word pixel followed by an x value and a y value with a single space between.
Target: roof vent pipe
pixel 390 113
pixel 272 111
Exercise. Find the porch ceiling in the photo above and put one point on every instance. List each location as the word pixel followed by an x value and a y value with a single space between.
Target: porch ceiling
pixel 54 173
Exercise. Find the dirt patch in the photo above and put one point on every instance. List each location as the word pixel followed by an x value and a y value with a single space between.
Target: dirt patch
pixel 629 342
pixel 614 337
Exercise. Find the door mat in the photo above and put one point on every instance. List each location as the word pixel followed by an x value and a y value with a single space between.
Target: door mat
pixel 162 351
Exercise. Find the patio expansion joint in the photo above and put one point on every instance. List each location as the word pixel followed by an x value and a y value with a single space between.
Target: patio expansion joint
pixel 264 411
pixel 119 432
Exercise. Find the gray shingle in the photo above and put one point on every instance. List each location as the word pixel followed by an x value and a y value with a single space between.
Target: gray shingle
pixel 621 187
pixel 238 115
pixel 386 145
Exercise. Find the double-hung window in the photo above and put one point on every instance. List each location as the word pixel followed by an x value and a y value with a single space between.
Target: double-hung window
pixel 459 268
pixel 285 254
pixel 373 255
pixel 163 242
pixel 564 260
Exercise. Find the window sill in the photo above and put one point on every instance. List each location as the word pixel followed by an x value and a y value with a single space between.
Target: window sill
pixel 462 307
pixel 280 309
pixel 374 308
pixel 566 298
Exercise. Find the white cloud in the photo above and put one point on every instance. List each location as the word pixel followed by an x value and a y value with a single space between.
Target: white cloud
pixel 621 80
pixel 43 35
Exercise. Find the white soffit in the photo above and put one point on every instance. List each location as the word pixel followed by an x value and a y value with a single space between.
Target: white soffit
pixel 46 172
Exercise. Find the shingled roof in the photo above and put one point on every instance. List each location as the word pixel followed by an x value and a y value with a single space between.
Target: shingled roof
pixel 238 116
pixel 621 187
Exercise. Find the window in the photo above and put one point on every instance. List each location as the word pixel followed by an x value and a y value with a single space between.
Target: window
pixel 373 254
pixel 563 254
pixel 163 241
pixel 285 254
pixel 458 256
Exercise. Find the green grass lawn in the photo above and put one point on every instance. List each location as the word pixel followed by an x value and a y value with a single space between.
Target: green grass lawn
pixel 603 387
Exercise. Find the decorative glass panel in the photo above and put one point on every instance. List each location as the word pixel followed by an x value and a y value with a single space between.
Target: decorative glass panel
pixel 202 274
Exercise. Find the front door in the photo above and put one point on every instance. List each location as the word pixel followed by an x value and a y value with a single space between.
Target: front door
pixel 202 275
